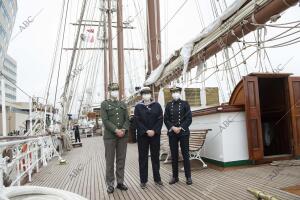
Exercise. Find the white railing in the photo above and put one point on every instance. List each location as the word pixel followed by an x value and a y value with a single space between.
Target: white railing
pixel 26 156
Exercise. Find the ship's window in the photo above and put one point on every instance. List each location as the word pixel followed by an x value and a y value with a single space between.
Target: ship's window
pixel 192 95
pixel 212 96
pixel 167 95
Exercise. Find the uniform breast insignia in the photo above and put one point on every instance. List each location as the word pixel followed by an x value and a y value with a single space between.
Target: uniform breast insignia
pixel 149 109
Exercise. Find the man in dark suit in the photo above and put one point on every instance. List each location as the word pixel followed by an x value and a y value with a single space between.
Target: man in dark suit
pixel 178 118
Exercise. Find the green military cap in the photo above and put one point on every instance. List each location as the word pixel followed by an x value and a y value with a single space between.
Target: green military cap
pixel 145 90
pixel 113 86
pixel 175 89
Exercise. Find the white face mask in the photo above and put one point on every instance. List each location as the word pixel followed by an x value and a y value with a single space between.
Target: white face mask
pixel 146 97
pixel 176 96
pixel 114 94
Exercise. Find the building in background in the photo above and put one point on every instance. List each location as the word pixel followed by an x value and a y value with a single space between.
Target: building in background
pixel 8 67
pixel 10 72
pixel 16 113
pixel 8 11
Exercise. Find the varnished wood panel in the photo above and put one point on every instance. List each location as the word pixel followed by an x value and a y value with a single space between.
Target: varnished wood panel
pixel 294 87
pixel 238 95
pixel 253 118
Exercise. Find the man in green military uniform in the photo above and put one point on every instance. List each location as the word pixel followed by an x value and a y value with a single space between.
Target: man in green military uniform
pixel 116 123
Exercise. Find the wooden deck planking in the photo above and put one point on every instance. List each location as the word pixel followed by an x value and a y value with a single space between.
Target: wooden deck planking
pixel 208 183
pixel 170 193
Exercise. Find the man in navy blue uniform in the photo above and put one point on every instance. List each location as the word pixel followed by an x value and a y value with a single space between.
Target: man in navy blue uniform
pixel 178 118
pixel 149 120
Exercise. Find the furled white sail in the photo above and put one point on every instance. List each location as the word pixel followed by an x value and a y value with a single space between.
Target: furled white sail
pixel 186 50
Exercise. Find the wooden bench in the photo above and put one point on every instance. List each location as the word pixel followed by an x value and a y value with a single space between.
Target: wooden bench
pixel 197 139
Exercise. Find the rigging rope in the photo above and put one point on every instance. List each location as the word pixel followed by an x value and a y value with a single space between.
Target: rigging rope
pixel 53 62
pixel 80 56
pixel 60 56
pixel 12 82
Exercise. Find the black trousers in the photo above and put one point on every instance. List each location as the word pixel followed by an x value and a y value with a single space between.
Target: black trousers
pixel 77 137
pixel 184 145
pixel 144 142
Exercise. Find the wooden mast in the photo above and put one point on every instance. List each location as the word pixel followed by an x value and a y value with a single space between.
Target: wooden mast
pixel 105 58
pixel 153 35
pixel 120 49
pixel 153 39
pixel 110 52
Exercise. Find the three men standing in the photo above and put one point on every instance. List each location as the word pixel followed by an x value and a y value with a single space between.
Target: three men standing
pixel 178 118
pixel 116 123
pixel 149 120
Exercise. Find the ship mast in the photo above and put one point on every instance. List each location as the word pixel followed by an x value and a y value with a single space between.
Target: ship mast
pixel 120 49
pixel 153 35
pixel 105 56
pixel 153 39
pixel 110 52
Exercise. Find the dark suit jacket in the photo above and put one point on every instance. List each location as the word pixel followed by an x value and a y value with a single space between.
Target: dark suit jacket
pixel 178 113
pixel 148 117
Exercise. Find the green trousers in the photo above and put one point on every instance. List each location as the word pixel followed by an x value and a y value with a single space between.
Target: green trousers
pixel 115 148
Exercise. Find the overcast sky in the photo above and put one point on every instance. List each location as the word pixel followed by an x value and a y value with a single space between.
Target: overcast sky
pixel 33 48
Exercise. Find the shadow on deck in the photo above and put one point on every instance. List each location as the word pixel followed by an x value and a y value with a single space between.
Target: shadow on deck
pixel 84 174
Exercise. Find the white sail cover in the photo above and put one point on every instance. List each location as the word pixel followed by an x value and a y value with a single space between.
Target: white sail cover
pixel 187 49
pixel 154 76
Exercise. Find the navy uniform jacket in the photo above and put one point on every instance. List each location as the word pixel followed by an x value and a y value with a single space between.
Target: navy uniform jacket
pixel 148 117
pixel 178 113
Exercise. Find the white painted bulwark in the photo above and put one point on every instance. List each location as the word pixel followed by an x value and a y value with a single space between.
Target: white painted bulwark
pixel 227 141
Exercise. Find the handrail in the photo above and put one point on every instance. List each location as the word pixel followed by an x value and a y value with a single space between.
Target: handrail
pixel 21 137
pixel 27 154
pixel 4 144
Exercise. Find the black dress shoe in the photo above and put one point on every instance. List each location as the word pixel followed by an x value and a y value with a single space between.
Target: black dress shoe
pixel 173 181
pixel 143 185
pixel 159 183
pixel 189 181
pixel 121 186
pixel 110 189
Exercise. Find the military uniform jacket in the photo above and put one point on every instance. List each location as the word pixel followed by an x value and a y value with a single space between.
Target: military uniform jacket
pixel 178 113
pixel 148 117
pixel 114 116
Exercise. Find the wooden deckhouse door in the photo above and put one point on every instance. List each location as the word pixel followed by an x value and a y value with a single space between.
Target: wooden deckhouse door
pixel 294 88
pixel 253 118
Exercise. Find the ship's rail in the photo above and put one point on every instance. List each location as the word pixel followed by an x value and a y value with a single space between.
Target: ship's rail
pixel 22 156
